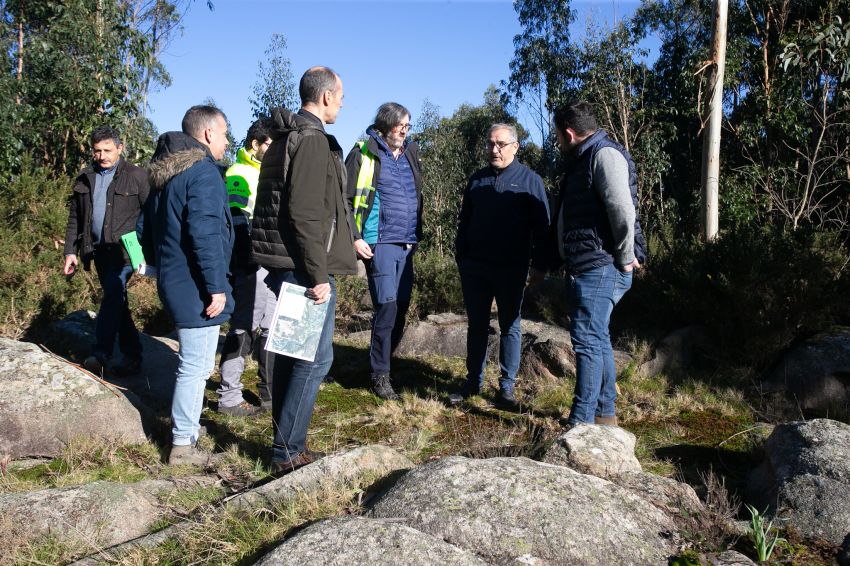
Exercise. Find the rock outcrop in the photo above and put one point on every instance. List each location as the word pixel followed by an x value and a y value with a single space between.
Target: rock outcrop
pixel 45 402
pixel 805 478
pixel 815 375
pixel 359 541
pixel 514 509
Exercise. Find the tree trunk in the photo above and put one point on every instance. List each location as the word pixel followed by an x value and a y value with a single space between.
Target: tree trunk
pixel 714 110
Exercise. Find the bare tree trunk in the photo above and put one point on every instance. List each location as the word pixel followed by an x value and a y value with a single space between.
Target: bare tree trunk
pixel 20 73
pixel 714 109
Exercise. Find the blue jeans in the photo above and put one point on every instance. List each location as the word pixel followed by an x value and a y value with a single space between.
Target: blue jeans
pixel 594 295
pixel 390 275
pixel 114 314
pixel 196 362
pixel 295 384
pixel 481 283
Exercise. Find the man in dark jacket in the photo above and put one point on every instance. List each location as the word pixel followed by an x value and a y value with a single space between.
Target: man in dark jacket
pixel 301 233
pixel 187 230
pixel 600 241
pixel 503 222
pixel 385 190
pixel 104 206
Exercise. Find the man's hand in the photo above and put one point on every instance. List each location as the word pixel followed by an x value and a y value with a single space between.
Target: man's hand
pixel 320 293
pixel 633 265
pixel 216 306
pixel 70 264
pixel 362 249
pixel 535 276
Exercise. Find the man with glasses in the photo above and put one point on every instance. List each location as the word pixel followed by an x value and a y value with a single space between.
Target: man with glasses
pixel 187 230
pixel 385 190
pixel 502 227
pixel 255 303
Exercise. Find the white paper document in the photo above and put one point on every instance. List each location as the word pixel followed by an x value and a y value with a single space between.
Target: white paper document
pixel 297 324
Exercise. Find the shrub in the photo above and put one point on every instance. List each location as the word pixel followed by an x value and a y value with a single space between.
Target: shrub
pixel 756 290
pixel 437 285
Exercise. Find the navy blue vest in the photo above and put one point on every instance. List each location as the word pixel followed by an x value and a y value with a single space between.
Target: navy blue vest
pixel 587 239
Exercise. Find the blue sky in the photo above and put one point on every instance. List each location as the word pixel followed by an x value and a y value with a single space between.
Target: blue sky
pixel 447 52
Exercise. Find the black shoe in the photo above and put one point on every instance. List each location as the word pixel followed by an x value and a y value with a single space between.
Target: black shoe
pixel 127 367
pixel 94 365
pixel 328 379
pixel 465 393
pixel 507 400
pixel 382 387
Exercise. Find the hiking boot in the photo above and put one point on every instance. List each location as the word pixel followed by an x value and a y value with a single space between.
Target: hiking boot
pixel 610 421
pixel 283 467
pixel 507 400
pixel 127 367
pixel 243 409
pixel 266 405
pixel 94 365
pixel 468 390
pixel 189 455
pixel 382 387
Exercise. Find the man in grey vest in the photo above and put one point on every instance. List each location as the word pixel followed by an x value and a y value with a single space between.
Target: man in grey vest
pixel 600 241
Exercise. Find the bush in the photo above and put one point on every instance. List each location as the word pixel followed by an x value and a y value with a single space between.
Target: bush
pixel 437 286
pixel 756 290
pixel 33 290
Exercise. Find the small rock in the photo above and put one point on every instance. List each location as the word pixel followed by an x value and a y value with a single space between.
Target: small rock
pixel 602 451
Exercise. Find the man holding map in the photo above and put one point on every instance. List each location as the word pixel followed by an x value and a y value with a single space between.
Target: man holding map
pixel 301 233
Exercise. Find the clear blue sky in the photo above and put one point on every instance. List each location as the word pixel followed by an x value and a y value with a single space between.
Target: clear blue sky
pixel 405 51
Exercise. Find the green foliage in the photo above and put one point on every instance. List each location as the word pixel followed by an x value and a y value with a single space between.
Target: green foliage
pixel 33 291
pixel 437 288
pixel 755 290
pixel 760 534
pixel 275 85
pixel 77 65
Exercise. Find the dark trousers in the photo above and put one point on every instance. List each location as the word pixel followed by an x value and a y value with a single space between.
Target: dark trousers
pixel 390 275
pixel 295 384
pixel 114 314
pixel 481 283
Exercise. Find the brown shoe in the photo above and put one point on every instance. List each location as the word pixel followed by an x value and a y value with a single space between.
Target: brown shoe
pixel 610 421
pixel 283 467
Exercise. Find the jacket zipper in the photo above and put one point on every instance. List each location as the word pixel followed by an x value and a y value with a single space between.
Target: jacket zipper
pixel 331 236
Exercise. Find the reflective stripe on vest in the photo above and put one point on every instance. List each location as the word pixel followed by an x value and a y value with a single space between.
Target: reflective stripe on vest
pixel 364 184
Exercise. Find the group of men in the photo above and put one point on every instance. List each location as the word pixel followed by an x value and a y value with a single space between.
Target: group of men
pixel 291 210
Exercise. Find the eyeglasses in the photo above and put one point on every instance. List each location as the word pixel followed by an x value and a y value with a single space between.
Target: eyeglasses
pixel 500 144
pixel 403 127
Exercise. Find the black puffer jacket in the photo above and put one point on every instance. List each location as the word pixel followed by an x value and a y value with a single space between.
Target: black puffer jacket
pixel 301 218
pixel 125 197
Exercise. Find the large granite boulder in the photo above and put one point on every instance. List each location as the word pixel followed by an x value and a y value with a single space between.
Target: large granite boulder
pixel 45 402
pixel 509 510
pixel 73 337
pixel 602 451
pixel 359 541
pixel 814 375
pixel 100 514
pixel 805 477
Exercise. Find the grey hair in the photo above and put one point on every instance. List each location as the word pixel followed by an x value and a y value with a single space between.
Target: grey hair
pixel 388 116
pixel 501 126
pixel 314 82
pixel 199 118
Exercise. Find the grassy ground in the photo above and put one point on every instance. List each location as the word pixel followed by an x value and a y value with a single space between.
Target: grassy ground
pixel 689 428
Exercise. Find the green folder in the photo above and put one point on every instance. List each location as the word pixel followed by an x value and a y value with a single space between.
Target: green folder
pixel 134 249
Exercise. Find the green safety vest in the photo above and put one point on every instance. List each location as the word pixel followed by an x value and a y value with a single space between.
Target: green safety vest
pixel 364 186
